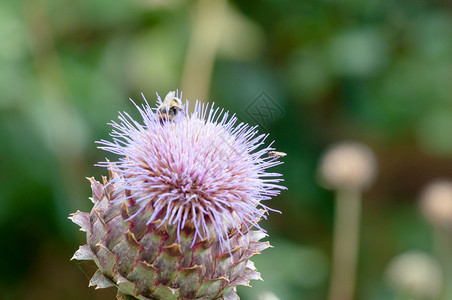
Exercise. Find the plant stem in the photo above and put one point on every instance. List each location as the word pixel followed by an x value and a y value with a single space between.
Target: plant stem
pixel 205 36
pixel 59 114
pixel 442 248
pixel 345 244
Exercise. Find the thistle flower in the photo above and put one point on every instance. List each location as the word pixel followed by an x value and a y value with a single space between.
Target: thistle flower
pixel 415 274
pixel 350 165
pixel 350 168
pixel 176 218
pixel 436 203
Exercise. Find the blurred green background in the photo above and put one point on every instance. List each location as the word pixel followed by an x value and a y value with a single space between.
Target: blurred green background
pixel 378 72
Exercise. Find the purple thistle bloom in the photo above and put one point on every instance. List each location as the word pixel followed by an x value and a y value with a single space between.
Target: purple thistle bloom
pixel 175 220
pixel 200 170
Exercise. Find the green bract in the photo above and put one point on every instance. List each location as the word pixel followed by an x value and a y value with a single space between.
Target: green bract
pixel 146 262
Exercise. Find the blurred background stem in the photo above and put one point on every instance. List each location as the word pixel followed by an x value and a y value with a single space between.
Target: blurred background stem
pixel 207 24
pixel 60 126
pixel 345 244
pixel 443 249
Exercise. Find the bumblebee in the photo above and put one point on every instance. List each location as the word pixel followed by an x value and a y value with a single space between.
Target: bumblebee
pixel 170 107
pixel 276 154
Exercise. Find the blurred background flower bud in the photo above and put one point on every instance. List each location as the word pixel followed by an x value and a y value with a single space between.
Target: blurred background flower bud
pixel 415 274
pixel 436 203
pixel 348 165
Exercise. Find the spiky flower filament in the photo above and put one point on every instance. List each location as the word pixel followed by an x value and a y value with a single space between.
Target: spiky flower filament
pixel 200 170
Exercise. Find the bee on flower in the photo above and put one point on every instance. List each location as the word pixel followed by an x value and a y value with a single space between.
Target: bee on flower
pixel 170 108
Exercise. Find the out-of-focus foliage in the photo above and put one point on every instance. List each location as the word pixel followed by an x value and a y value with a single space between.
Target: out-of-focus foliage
pixel 375 71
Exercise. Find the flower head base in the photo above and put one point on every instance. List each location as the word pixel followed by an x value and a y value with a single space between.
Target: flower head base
pixel 195 171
